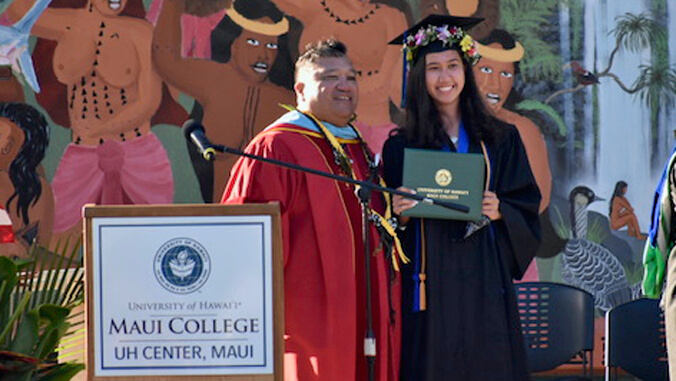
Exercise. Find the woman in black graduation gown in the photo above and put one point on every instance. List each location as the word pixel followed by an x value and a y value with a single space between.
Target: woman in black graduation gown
pixel 460 320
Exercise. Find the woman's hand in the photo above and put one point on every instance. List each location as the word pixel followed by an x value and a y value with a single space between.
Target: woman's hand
pixel 401 203
pixel 490 206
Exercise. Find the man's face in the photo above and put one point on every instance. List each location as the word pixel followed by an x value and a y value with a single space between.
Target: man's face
pixel 253 54
pixel 328 89
pixel 495 80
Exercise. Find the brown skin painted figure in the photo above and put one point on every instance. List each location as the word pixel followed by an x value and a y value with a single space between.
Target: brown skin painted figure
pixel 237 97
pixel 488 10
pixel 621 213
pixel 495 74
pixel 24 192
pixel 104 60
pixel 365 27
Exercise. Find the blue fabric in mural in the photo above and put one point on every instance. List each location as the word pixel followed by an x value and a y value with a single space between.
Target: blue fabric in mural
pixel 14 49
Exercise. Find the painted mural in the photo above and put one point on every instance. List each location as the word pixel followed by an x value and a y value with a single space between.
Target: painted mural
pixel 96 92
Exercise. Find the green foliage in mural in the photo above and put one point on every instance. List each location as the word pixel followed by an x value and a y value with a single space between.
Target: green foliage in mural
pixel 657 85
pixel 577 28
pixel 637 32
pixel 533 105
pixel 525 20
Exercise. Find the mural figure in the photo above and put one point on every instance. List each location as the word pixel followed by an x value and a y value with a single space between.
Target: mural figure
pixel 199 19
pixel 489 10
pixel 237 97
pixel 25 194
pixel 104 59
pixel 588 265
pixel 378 64
pixel 495 73
pixel 621 212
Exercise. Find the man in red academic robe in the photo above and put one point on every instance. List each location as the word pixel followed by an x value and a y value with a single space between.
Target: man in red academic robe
pixel 324 277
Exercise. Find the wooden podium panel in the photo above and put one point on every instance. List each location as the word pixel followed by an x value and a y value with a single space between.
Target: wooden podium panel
pixel 184 292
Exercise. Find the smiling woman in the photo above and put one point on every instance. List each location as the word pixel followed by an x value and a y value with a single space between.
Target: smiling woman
pixel 240 94
pixel 459 312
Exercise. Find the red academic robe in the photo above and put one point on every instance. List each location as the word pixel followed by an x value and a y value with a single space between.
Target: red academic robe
pixel 323 258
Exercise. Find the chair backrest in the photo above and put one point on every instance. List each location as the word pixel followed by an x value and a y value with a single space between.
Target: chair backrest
pixel 635 339
pixel 557 322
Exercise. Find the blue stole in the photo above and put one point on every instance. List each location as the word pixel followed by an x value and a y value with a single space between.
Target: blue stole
pixel 299 119
pixel 419 304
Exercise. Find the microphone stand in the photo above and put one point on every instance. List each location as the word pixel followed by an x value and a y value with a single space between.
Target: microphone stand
pixel 209 154
pixel 364 192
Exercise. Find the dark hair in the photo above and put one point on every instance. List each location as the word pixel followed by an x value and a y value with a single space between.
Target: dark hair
pixel 619 187
pixel 329 48
pixel 23 170
pixel 227 31
pixel 423 127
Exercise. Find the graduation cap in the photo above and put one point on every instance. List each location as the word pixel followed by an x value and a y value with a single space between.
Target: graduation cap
pixel 437 33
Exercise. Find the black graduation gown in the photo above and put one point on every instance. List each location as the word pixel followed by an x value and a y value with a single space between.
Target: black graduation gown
pixel 471 328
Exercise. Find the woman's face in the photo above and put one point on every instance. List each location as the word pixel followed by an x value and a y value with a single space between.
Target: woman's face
pixel 11 140
pixel 253 54
pixel 624 190
pixel 444 77
pixel 110 7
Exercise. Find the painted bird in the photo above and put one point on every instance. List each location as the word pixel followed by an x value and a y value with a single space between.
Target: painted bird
pixel 583 76
pixel 588 265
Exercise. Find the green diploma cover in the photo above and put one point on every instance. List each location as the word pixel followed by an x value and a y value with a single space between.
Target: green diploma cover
pixel 445 176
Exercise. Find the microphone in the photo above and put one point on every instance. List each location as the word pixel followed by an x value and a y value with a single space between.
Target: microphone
pixel 195 131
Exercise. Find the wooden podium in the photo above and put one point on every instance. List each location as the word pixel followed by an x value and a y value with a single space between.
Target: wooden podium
pixel 184 292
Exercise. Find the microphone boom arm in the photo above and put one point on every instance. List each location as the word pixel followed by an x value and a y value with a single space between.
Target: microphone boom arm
pixel 209 153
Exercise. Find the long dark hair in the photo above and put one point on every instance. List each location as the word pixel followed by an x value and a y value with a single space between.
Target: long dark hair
pixel 23 170
pixel 423 127
pixel 619 186
pixel 227 31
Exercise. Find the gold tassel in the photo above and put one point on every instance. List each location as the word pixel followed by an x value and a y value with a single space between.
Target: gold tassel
pixel 421 291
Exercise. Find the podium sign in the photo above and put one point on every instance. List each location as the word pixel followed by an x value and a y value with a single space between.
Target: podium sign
pixel 180 291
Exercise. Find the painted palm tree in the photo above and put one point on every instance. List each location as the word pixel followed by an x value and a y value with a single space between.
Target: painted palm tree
pixel 588 265
pixel 656 84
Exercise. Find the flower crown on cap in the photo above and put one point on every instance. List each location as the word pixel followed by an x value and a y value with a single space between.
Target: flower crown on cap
pixel 448 36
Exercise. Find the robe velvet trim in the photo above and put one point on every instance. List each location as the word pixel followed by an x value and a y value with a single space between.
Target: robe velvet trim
pixel 323 256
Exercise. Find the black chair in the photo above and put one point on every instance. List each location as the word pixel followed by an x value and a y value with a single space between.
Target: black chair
pixel 635 340
pixel 558 325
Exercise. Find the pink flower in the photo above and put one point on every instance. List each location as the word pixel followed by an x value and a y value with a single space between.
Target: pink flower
pixel 419 37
